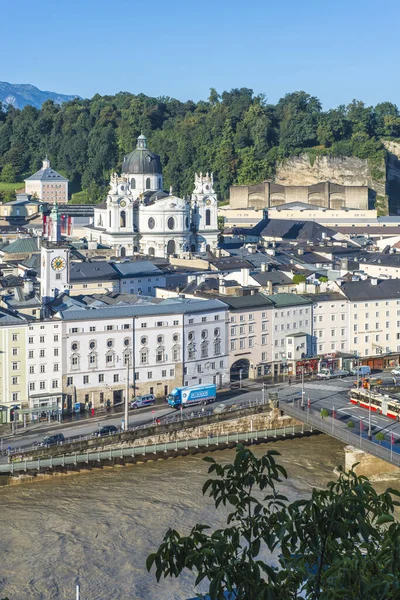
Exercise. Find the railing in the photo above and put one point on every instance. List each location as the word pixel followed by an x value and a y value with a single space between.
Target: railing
pixel 339 430
pixel 174 417
pixel 151 449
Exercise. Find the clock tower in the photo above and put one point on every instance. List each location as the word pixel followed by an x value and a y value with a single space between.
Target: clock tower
pixel 55 256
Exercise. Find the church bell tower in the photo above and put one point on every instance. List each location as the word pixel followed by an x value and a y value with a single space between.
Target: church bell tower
pixel 55 258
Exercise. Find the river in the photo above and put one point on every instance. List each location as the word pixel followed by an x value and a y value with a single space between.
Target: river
pixel 100 526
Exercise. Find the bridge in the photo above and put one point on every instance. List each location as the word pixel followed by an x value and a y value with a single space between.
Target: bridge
pixel 385 450
pixel 255 423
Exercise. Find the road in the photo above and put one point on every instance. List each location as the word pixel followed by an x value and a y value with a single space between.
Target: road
pixel 329 394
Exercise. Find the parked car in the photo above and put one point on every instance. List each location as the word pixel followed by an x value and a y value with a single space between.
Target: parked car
pixel 142 401
pixel 324 374
pixel 106 430
pixel 52 440
pixel 339 373
pixel 395 371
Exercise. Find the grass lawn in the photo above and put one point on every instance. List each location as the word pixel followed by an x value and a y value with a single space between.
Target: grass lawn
pixel 11 187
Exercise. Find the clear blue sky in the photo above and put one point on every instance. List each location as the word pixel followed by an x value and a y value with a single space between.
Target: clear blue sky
pixel 336 50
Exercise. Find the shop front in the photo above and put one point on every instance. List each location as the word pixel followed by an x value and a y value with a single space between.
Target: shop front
pixel 310 366
pixel 332 362
pixel 382 361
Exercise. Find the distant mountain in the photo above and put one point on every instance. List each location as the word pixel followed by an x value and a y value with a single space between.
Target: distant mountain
pixel 21 94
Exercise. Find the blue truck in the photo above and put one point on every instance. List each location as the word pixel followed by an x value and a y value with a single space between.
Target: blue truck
pixel 194 394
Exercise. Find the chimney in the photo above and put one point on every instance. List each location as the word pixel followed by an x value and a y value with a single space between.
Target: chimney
pixel 245 276
pixel 263 267
pixel 28 286
pixel 221 287
pixel 374 281
pixel 300 251
pixel 323 235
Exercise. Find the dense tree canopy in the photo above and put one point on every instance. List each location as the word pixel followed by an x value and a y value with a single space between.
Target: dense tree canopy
pixel 236 134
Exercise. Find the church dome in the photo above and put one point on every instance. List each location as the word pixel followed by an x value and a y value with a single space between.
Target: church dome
pixel 142 161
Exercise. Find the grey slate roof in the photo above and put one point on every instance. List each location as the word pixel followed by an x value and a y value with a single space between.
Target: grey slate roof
pixel 292 230
pixel 96 270
pixel 142 161
pixel 325 297
pixel 179 306
pixel 136 268
pixel 7 318
pixel 22 245
pixel 364 290
pixel 282 300
pixel 275 277
pixel 243 302
pixel 48 174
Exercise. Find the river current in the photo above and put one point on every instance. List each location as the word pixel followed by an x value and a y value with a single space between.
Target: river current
pixel 99 527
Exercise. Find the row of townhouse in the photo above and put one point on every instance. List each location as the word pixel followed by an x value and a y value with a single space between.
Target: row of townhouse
pixel 88 354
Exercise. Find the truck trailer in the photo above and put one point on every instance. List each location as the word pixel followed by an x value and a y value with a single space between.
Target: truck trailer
pixel 194 394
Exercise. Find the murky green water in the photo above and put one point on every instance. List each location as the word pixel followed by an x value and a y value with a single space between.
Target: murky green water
pixel 101 526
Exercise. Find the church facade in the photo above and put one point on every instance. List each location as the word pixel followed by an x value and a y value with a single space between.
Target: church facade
pixel 139 217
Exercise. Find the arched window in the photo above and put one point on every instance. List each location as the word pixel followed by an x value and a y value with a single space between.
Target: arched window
pixel 208 216
pixel 148 183
pixel 204 349
pixel 217 347
pixel 122 218
pixel 133 183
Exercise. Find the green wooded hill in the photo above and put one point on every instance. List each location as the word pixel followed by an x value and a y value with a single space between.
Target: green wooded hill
pixel 236 134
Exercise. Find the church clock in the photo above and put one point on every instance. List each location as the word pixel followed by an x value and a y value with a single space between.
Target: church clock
pixel 58 264
pixel 122 204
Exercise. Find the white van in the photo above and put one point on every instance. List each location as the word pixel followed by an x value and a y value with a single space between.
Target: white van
pixel 362 371
pixel 142 401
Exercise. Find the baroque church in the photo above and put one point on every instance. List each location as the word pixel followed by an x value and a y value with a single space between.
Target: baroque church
pixel 139 217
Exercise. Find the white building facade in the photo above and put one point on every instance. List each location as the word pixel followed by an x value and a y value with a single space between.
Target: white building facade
pixel 139 217
pixel 162 345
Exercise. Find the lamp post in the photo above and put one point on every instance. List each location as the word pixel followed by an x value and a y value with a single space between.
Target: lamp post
pixel 126 417
pixel 369 413
pixel 240 377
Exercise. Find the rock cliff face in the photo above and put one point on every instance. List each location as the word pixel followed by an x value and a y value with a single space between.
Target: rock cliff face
pixel 352 171
pixel 393 175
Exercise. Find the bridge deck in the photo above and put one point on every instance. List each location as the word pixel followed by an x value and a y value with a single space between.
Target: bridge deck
pixel 151 451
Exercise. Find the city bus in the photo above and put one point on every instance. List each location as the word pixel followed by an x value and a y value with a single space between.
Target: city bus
pixel 382 404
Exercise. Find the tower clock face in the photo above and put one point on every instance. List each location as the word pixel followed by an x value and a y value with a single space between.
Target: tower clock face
pixel 58 264
pixel 122 204
pixel 208 202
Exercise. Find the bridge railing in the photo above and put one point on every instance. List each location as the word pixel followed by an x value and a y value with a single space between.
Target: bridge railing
pixel 335 428
pixel 151 449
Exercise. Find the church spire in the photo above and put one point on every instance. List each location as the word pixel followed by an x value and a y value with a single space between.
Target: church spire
pixel 46 163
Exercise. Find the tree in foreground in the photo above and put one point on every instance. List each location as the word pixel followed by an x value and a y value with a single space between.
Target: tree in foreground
pixel 343 543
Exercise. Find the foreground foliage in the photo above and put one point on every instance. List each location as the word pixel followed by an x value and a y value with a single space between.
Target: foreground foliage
pixel 343 543
pixel 236 134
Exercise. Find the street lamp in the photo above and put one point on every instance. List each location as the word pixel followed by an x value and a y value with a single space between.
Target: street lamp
pixel 369 413
pixel 240 377
pixel 126 417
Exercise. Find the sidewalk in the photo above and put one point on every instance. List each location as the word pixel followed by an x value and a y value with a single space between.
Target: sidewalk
pixel 102 415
